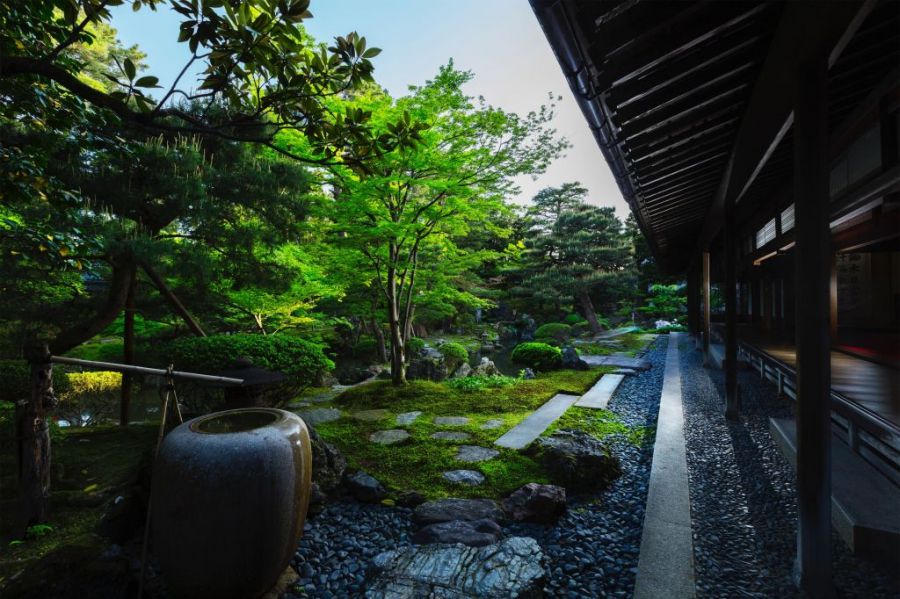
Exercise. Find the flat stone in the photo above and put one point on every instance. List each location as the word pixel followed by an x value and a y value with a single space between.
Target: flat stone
pixel 474 533
pixel 371 415
pixel 491 424
pixel 599 395
pixel 511 568
pixel 319 415
pixel 451 421
pixel 469 478
pixel 445 510
pixel 389 437
pixel 531 428
pixel 451 436
pixel 618 361
pixel 474 453
pixel 407 417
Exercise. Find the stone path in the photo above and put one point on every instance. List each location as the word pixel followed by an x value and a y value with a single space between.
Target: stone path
pixel 319 415
pixel 407 418
pixel 451 421
pixel 492 424
pixel 531 428
pixel 475 453
pixel 389 437
pixel 666 562
pixel 451 436
pixel 371 415
pixel 599 395
pixel 617 361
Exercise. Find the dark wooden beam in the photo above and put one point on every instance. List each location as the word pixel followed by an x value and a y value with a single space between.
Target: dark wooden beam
pixel 812 257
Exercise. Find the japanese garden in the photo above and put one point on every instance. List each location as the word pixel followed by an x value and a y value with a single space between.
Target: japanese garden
pixel 277 325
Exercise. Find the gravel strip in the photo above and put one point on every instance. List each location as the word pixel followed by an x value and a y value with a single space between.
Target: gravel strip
pixel 591 552
pixel 743 501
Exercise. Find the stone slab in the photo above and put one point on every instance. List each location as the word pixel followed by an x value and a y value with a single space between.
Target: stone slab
pixel 666 561
pixel 407 418
pixel 319 415
pixel 491 424
pixel 599 395
pixel 531 428
pixel 618 362
pixel 389 437
pixel 451 421
pixel 475 453
pixel 371 415
pixel 451 436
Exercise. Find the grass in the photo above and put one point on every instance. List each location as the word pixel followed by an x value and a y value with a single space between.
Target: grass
pixel 89 467
pixel 418 463
pixel 629 343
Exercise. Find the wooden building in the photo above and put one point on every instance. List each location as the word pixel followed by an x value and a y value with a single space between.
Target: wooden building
pixel 756 143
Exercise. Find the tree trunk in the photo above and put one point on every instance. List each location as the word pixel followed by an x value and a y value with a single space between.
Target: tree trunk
pixel 398 358
pixel 34 438
pixel 380 349
pixel 588 306
pixel 128 350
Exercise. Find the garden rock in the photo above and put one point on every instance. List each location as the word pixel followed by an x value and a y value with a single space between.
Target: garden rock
pixel 511 568
pixel 469 478
pixel 407 418
pixel 328 463
pixel 474 453
pixel 451 421
pixel 319 415
pixel 492 424
pixel 474 533
pixel 463 371
pixel 371 415
pixel 451 436
pixel 365 487
pixel 389 437
pixel 428 365
pixel 536 503
pixel 447 510
pixel 576 460
pixel 571 359
pixel 486 368
pixel 528 374
pixel 410 499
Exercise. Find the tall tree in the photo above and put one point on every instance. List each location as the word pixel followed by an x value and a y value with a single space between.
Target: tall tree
pixel 412 201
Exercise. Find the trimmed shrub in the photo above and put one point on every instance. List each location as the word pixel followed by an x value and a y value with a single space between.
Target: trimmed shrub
pixel 478 383
pixel 302 361
pixel 553 330
pixel 536 355
pixel 573 319
pixel 17 380
pixel 454 354
pixel 414 345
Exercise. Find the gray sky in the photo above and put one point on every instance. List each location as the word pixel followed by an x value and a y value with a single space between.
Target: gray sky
pixel 499 40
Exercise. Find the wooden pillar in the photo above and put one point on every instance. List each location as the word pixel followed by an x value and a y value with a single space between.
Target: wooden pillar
pixel 813 272
pixel 732 401
pixel 693 301
pixel 706 301
pixel 128 350
pixel 33 432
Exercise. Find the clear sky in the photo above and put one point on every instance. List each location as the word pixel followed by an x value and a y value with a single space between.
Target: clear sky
pixel 499 40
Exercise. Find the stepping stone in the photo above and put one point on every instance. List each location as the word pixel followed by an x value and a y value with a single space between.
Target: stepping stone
pixel 390 437
pixel 299 405
pixel 469 478
pixel 474 453
pixel 371 415
pixel 491 424
pixel 451 436
pixel 407 417
pixel 531 428
pixel 451 421
pixel 319 415
pixel 599 395
pixel 618 362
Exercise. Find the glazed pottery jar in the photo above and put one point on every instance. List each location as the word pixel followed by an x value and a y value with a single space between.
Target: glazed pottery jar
pixel 229 499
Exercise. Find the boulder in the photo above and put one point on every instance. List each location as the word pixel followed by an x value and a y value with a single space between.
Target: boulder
pixel 486 368
pixel 469 478
pixel 536 503
pixel 571 359
pixel 463 371
pixel 528 374
pixel 428 364
pixel 446 510
pixel 474 533
pixel 576 460
pixel 510 568
pixel 328 464
pixel 410 499
pixel 364 487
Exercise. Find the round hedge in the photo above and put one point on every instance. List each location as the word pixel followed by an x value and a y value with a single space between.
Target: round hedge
pixel 414 345
pixel 454 354
pixel 573 319
pixel 304 362
pixel 538 356
pixel 554 330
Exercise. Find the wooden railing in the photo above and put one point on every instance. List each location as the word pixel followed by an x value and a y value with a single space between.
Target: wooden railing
pixel 866 433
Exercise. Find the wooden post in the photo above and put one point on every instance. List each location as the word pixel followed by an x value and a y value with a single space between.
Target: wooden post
pixel 693 301
pixel 706 301
pixel 732 401
pixel 813 271
pixel 128 350
pixel 33 432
